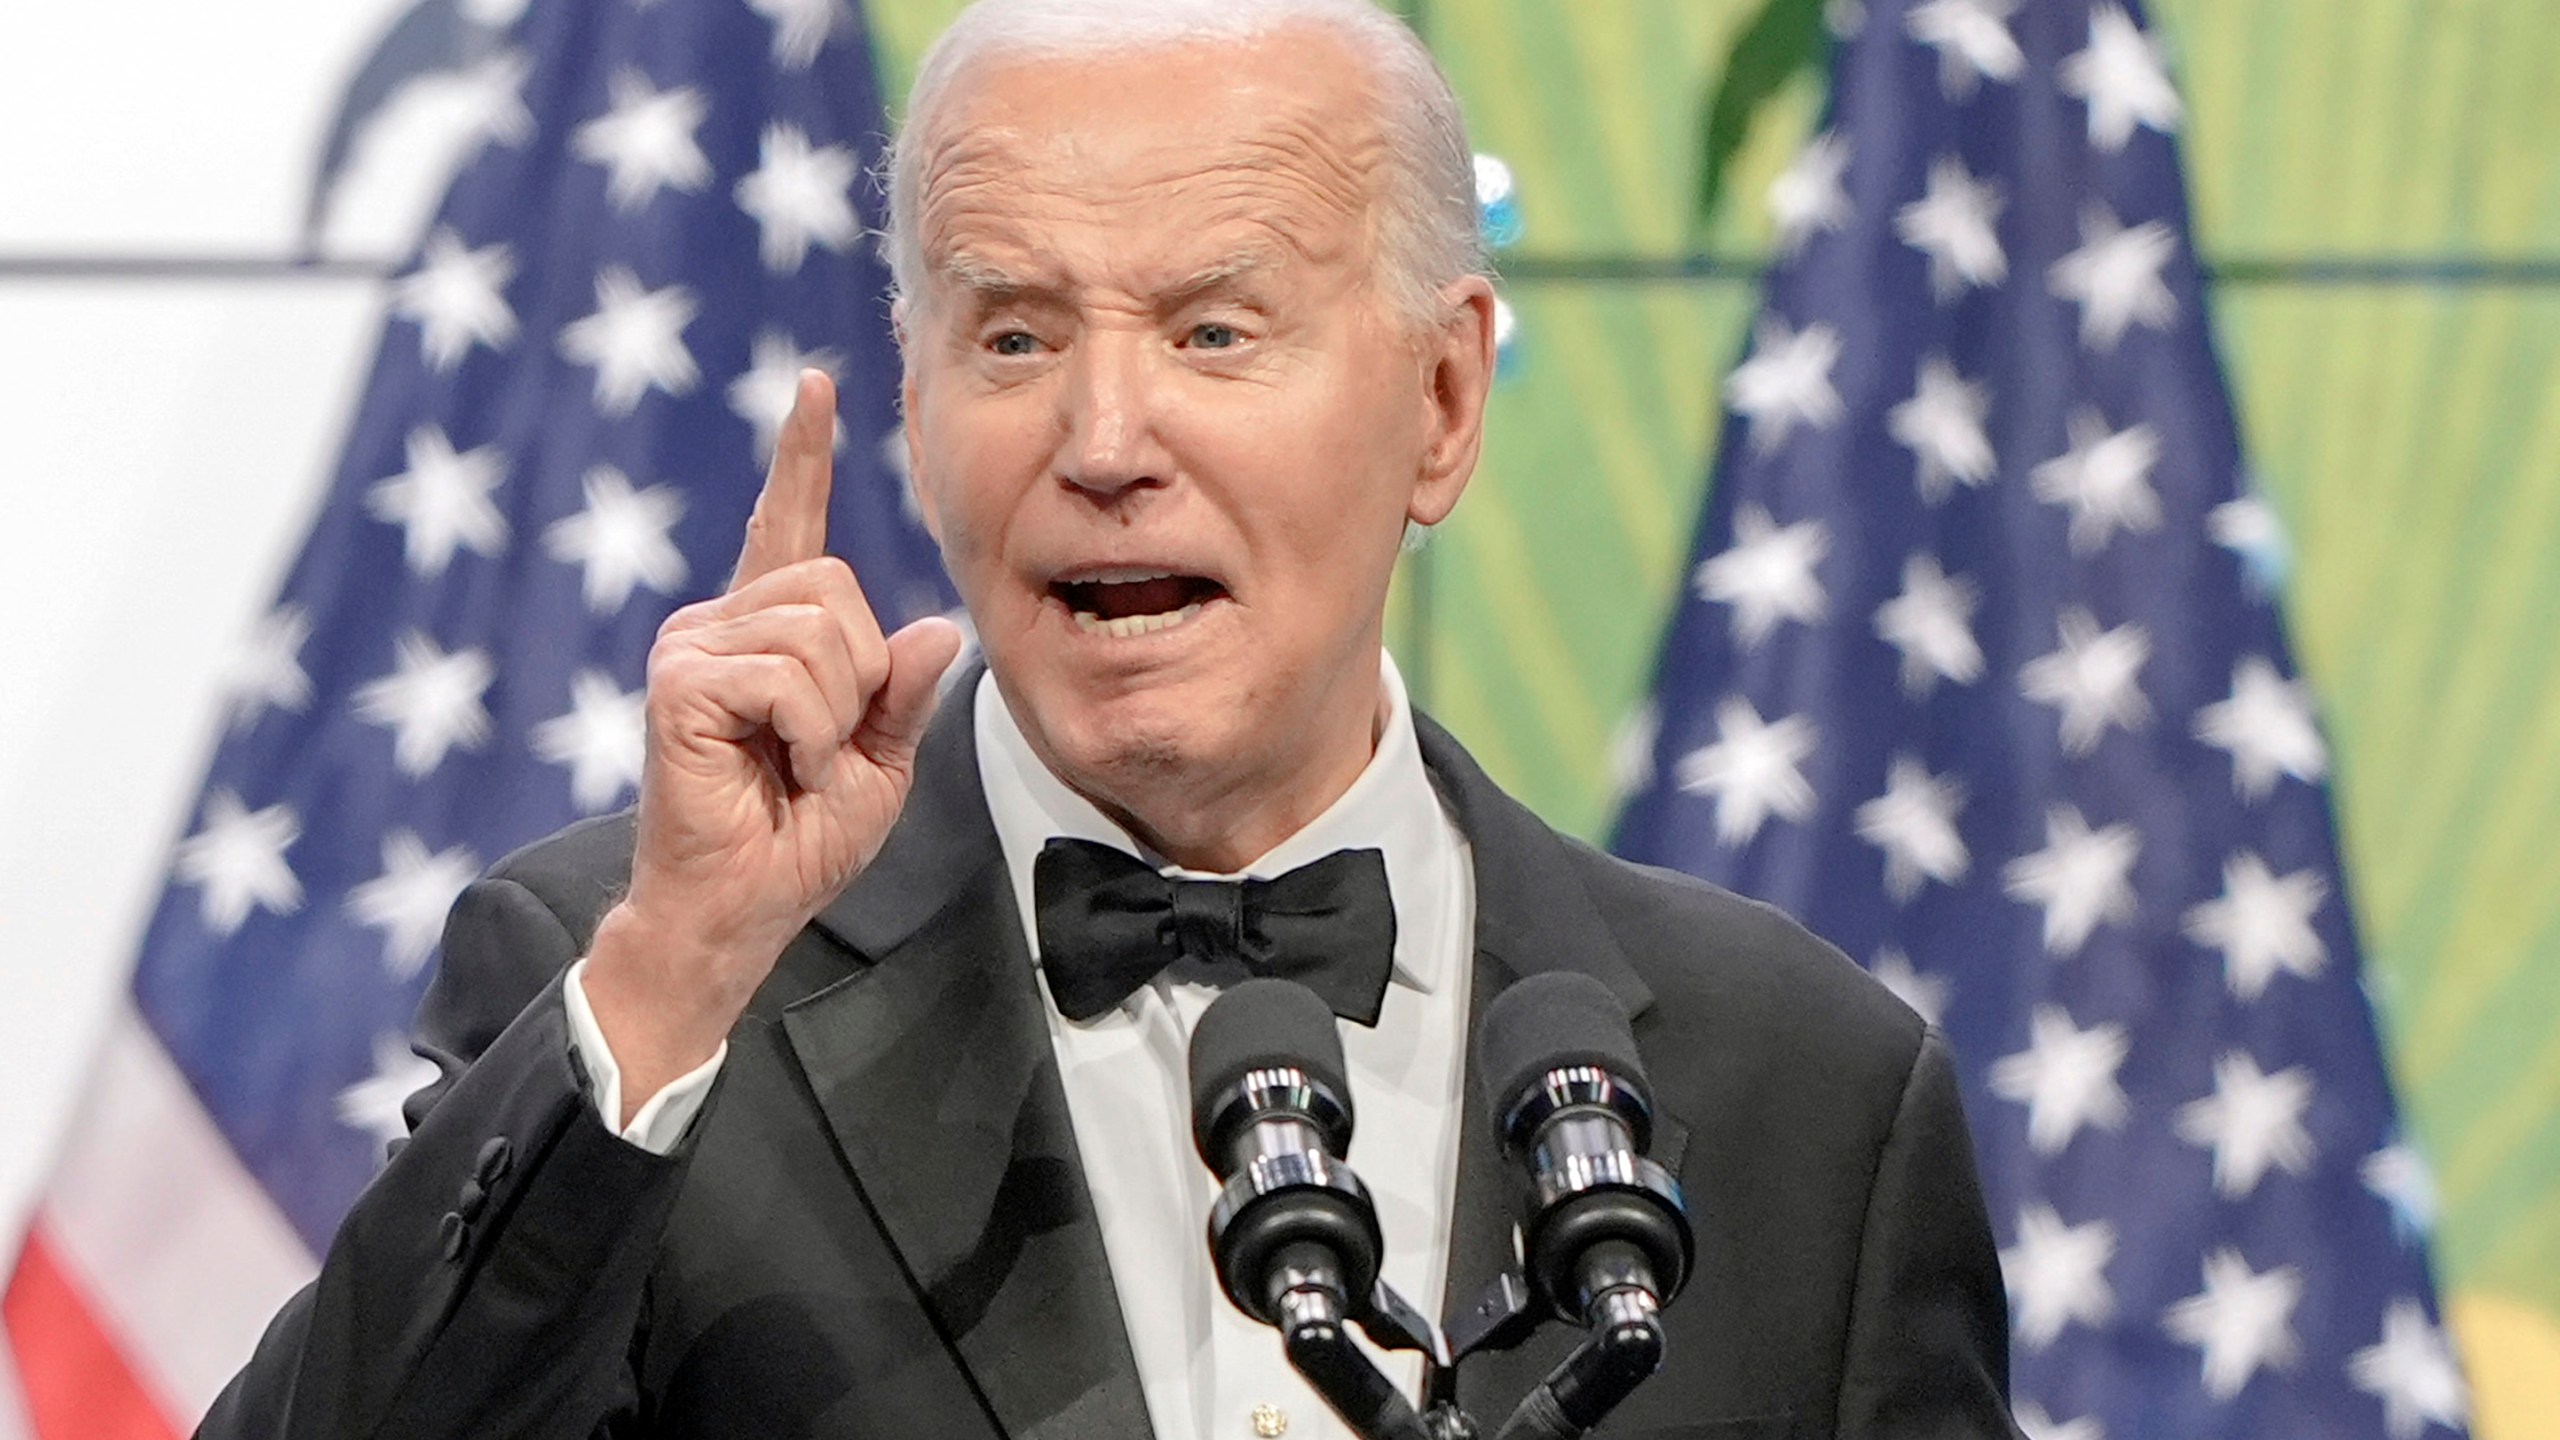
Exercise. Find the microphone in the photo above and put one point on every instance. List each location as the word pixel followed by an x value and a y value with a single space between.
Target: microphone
pixel 1271 1114
pixel 1294 1232
pixel 1606 1235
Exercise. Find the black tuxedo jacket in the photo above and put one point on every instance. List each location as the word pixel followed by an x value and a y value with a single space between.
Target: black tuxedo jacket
pixel 879 1227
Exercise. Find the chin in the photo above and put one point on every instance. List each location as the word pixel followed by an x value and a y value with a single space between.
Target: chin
pixel 1133 739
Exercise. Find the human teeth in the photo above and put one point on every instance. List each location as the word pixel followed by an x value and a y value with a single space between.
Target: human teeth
pixel 1122 577
pixel 1128 626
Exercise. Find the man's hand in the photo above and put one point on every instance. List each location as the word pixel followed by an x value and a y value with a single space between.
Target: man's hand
pixel 782 740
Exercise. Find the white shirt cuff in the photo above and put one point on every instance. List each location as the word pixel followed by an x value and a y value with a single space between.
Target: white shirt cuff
pixel 660 1123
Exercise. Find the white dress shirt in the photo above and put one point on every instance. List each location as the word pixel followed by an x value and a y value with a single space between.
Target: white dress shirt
pixel 1206 1369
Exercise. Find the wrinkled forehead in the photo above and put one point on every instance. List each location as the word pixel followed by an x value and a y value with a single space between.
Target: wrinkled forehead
pixel 1223 140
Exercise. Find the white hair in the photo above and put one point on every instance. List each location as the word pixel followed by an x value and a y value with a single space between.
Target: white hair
pixel 1428 231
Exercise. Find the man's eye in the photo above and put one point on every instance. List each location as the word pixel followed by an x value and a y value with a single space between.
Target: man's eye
pixel 1014 342
pixel 1214 336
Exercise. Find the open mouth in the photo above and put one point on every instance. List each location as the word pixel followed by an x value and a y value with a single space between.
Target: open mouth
pixel 1126 603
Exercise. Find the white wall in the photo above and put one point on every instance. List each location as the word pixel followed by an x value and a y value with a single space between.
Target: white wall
pixel 163 441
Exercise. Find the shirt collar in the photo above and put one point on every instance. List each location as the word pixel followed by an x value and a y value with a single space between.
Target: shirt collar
pixel 1391 807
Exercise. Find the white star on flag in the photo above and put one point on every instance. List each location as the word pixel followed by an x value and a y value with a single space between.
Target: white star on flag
pixel 1767 576
pixel 2241 1320
pixel 1785 382
pixel 457 299
pixel 1972 40
pixel 236 860
pixel 2104 479
pixel 431 701
pixel 2252 1121
pixel 2121 77
pixel 2115 277
pixel 763 392
pixel 441 501
pixel 373 1103
pixel 1806 199
pixel 507 12
pixel 1751 770
pixel 800 196
pixel 2398 1177
pixel 645 140
pixel 2413 1372
pixel 2261 924
pixel 1914 823
pixel 621 539
pixel 1931 623
pixel 2092 677
pixel 2249 528
pixel 893 457
pixel 266 672
pixel 408 901
pixel 1631 749
pixel 801 28
pixel 1926 994
pixel 491 95
pixel 1952 224
pixel 2266 726
pixel 2057 1275
pixel 2066 1077
pixel 2082 878
pixel 601 739
pixel 635 341
pixel 1941 425
pixel 2039 1424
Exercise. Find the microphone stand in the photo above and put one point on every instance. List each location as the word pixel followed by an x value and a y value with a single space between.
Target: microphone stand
pixel 1307 1296
pixel 1623 1347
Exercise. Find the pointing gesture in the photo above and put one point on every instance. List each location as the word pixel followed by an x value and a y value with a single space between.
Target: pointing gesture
pixel 782 736
pixel 789 523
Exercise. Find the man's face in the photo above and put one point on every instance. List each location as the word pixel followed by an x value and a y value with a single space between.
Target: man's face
pixel 1166 425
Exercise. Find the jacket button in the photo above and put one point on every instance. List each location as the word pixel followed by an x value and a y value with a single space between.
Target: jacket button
pixel 454 1231
pixel 496 1157
pixel 471 1201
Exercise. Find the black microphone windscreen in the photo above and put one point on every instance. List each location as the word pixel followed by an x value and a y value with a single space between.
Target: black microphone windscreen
pixel 1257 1025
pixel 1549 1021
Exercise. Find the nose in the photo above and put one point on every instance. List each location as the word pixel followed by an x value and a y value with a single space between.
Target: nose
pixel 1111 446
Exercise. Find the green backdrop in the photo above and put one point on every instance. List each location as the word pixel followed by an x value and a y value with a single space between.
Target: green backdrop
pixel 2377 184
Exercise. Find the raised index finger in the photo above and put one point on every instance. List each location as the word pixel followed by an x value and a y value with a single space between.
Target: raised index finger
pixel 790 520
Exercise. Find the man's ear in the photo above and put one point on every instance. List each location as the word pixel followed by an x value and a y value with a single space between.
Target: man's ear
pixel 910 435
pixel 1457 373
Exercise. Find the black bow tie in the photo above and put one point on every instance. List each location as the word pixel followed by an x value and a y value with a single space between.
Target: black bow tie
pixel 1109 923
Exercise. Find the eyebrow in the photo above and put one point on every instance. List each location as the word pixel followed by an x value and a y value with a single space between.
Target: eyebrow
pixel 989 283
pixel 1224 271
pixel 985 279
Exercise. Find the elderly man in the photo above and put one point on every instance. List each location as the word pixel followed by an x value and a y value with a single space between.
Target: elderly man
pixel 837 1125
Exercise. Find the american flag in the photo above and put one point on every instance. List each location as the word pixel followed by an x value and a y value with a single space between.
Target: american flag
pixel 670 215
pixel 1979 671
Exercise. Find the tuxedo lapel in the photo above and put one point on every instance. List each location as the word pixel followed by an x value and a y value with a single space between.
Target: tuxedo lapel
pixel 1532 916
pixel 934 1070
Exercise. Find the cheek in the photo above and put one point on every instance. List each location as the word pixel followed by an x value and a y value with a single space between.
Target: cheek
pixel 979 464
pixel 1336 524
pixel 1360 460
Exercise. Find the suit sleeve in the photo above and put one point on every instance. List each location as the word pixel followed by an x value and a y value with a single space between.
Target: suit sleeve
pixel 491 1279
pixel 1928 1345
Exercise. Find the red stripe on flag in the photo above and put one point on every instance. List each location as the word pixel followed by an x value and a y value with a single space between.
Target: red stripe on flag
pixel 77 1384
